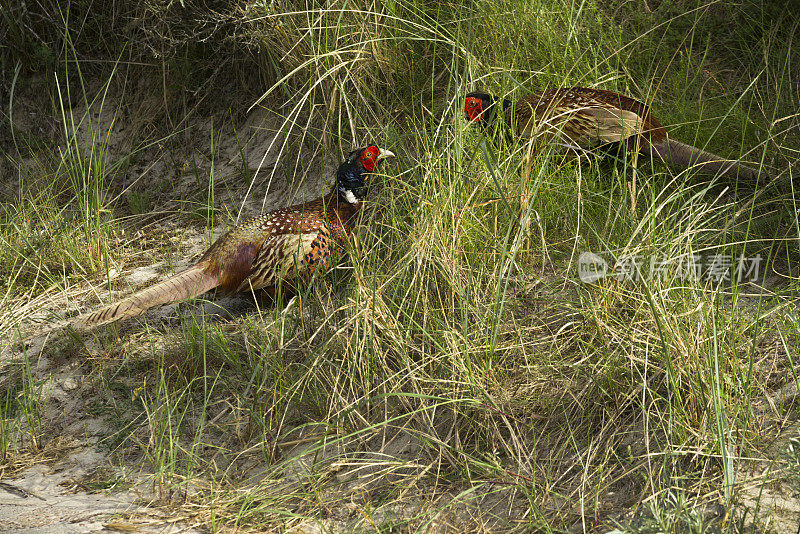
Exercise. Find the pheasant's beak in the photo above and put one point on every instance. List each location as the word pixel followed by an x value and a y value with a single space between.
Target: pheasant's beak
pixel 383 154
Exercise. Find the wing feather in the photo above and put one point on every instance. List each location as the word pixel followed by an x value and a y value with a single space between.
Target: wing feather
pixel 285 257
pixel 612 125
pixel 588 117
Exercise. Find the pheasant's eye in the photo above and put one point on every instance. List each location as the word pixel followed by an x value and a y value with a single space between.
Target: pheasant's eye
pixel 472 103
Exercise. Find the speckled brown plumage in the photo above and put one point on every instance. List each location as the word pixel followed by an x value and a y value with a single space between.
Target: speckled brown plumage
pixel 587 118
pixel 284 246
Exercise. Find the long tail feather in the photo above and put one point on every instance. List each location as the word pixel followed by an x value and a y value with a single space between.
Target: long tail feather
pixel 189 283
pixel 686 156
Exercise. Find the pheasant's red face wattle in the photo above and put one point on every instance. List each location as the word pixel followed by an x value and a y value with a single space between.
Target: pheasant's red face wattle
pixel 473 108
pixel 369 158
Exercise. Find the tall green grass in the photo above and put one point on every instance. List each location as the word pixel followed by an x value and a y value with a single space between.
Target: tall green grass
pixel 461 329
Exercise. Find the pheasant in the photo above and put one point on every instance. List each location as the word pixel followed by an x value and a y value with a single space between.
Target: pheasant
pixel 284 245
pixel 590 118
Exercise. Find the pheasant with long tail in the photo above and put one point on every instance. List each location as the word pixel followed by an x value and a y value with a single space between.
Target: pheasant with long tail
pixel 283 246
pixel 589 118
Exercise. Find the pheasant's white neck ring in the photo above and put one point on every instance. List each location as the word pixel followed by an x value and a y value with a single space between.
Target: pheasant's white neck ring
pixel 350 197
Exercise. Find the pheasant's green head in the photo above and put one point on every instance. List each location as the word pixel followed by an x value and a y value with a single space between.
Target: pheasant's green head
pixel 353 174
